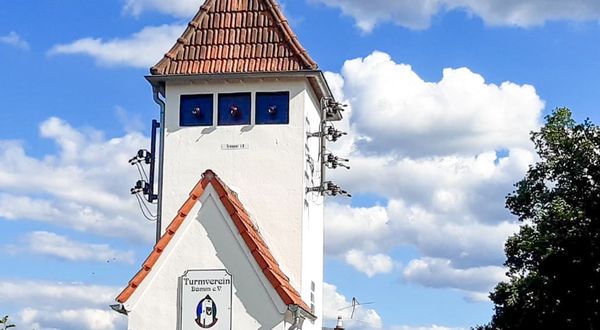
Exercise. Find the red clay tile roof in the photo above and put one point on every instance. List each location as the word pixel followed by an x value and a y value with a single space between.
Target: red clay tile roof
pixel 236 36
pixel 247 229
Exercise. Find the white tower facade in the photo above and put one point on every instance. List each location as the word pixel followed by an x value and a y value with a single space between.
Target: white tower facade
pixel 269 166
pixel 240 96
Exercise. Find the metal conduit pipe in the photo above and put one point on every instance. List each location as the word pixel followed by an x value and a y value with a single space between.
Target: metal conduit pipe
pixel 156 90
pixel 323 142
pixel 298 317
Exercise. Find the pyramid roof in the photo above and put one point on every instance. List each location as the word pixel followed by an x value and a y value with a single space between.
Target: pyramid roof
pixel 236 36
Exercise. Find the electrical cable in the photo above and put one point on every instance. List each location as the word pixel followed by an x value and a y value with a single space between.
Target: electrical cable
pixel 149 218
pixel 142 209
pixel 146 206
pixel 142 172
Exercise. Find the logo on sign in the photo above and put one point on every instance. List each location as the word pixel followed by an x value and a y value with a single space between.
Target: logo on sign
pixel 206 313
pixel 200 293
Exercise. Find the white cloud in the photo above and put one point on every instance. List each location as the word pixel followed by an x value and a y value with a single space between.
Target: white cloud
pixel 409 13
pixel 398 111
pixel 131 123
pixel 54 245
pixel 369 264
pixel 71 319
pixel 432 327
pixel 441 273
pixel 529 12
pixel 61 306
pixel 441 156
pixel 178 8
pixel 336 304
pixel 70 188
pixel 418 14
pixel 15 40
pixel 471 252
pixel 46 294
pixel 140 50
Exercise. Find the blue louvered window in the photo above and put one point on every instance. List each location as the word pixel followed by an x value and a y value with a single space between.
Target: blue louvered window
pixel 196 110
pixel 234 109
pixel 273 108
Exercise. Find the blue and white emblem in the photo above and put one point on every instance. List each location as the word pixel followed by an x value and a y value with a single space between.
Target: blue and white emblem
pixel 206 313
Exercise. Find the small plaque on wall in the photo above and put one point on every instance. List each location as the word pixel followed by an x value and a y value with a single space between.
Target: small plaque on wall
pixel 241 146
pixel 205 300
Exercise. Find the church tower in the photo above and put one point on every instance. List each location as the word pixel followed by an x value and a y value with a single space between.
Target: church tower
pixel 245 116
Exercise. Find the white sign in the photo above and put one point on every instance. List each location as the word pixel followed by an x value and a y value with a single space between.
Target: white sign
pixel 241 146
pixel 205 300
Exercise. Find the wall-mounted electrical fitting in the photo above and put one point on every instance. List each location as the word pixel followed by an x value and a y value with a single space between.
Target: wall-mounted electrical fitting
pixel 332 109
pixel 142 155
pixel 145 186
pixel 334 162
pixel 333 134
pixel 330 133
pixel 329 188
pixel 141 186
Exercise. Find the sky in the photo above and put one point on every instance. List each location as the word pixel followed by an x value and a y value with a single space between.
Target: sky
pixel 442 97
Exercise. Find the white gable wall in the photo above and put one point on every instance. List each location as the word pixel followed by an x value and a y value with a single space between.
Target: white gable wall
pixel 207 240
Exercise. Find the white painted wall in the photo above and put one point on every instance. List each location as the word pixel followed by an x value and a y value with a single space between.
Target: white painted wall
pixel 312 227
pixel 270 176
pixel 207 240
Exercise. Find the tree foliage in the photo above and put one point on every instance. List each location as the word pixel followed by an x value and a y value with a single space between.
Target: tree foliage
pixel 554 260
pixel 5 324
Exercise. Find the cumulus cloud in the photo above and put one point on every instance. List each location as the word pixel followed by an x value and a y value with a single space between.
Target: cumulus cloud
pixel 412 14
pixel 61 306
pixel 178 8
pixel 441 273
pixel 432 327
pixel 46 294
pixel 369 264
pixel 398 111
pixel 71 319
pixel 418 14
pixel 15 40
pixel 336 304
pixel 57 246
pixel 140 50
pixel 441 156
pixel 70 188
pixel 529 12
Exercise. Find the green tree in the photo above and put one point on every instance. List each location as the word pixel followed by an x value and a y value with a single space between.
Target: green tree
pixel 5 324
pixel 554 260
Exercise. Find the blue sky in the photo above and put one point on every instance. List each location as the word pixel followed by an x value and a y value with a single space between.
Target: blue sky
pixel 443 94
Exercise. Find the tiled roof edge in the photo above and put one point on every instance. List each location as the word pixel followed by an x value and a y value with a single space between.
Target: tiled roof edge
pixel 250 235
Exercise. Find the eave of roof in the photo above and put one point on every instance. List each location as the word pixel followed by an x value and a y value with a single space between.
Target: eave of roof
pixel 316 80
pixel 248 231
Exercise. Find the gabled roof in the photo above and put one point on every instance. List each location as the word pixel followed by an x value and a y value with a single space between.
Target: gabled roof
pixel 236 36
pixel 249 232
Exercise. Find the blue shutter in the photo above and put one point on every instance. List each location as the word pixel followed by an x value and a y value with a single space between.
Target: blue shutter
pixel 273 108
pixel 196 110
pixel 234 109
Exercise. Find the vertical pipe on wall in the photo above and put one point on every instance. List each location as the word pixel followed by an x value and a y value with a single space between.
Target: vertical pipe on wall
pixel 156 90
pixel 323 145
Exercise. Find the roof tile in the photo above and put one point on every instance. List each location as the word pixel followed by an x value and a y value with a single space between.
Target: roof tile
pixel 236 36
